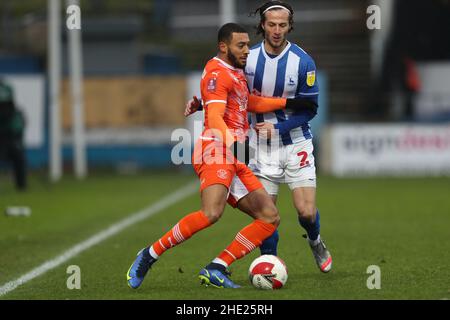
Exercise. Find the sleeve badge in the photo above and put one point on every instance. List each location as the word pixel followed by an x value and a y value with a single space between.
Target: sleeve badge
pixel 212 84
pixel 310 78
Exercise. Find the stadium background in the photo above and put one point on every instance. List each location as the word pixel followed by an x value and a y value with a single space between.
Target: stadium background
pixel 382 144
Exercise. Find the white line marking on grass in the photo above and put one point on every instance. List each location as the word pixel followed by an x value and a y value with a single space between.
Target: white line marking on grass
pixel 101 236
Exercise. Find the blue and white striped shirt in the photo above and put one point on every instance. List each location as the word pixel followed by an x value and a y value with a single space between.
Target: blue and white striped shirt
pixel 291 74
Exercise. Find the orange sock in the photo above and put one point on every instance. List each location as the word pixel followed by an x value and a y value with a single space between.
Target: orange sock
pixel 247 240
pixel 182 231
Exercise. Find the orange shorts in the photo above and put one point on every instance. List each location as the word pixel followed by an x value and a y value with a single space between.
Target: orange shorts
pixel 215 164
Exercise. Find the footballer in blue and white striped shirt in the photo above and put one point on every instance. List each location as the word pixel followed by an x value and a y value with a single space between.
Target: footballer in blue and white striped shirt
pixel 278 68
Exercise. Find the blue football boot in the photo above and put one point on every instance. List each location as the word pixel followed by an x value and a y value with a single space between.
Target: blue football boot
pixel 216 278
pixel 139 268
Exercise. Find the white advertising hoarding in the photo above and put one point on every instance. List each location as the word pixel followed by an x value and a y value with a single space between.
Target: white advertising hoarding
pixel 386 149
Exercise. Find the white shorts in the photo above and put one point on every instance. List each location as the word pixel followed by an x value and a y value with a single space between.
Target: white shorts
pixel 291 164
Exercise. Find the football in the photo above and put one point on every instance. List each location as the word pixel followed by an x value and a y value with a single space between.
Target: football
pixel 268 272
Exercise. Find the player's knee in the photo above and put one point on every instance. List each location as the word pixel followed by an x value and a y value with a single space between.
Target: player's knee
pixel 270 215
pixel 213 215
pixel 307 211
pixel 276 220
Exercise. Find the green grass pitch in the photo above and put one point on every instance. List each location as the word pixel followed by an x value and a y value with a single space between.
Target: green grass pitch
pixel 399 224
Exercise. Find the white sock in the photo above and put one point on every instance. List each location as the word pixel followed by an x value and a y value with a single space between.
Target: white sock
pixel 153 253
pixel 220 261
pixel 314 242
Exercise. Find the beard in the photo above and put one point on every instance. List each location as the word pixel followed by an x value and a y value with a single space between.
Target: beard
pixel 273 45
pixel 235 61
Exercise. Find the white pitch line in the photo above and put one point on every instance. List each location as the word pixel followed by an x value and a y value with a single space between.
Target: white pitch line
pixel 101 236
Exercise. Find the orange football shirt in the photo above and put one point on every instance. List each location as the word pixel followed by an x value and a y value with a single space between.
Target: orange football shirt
pixel 222 83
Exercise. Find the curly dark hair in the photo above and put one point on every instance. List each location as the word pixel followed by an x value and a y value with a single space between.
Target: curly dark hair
pixel 261 10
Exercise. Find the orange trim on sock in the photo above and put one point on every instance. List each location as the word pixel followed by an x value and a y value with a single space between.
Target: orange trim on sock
pixel 248 239
pixel 183 230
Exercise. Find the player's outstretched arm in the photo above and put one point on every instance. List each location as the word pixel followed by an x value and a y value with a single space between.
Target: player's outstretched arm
pixel 260 104
pixel 255 104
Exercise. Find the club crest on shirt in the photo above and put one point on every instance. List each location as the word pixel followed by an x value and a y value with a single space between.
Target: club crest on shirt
pixel 291 81
pixel 310 78
pixel 222 174
pixel 212 84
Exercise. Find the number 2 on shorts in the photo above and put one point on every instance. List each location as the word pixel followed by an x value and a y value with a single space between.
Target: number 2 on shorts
pixel 303 158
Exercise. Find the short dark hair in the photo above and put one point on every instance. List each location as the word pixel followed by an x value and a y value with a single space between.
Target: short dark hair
pixel 227 30
pixel 261 10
